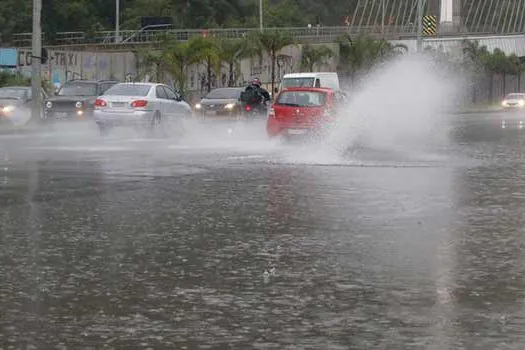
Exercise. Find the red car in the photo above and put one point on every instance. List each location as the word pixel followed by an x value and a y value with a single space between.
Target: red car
pixel 301 111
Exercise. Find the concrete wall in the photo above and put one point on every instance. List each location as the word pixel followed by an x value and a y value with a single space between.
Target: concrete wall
pixel 67 65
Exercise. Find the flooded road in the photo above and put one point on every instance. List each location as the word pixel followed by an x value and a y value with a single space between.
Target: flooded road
pixel 236 242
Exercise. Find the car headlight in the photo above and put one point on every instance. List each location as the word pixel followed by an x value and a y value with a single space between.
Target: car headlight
pixel 8 109
pixel 230 106
pixel 78 104
pixel 522 103
pixel 198 106
pixel 49 104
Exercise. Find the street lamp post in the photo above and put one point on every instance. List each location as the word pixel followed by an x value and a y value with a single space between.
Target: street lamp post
pixel 117 21
pixel 261 15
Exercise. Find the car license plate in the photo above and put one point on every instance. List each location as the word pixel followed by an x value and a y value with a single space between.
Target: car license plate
pixel 119 104
pixel 61 115
pixel 210 113
pixel 296 131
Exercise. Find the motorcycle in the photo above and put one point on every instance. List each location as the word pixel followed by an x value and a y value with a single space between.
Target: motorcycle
pixel 251 111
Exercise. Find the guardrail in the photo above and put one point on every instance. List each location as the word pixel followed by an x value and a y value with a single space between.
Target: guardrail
pixel 314 33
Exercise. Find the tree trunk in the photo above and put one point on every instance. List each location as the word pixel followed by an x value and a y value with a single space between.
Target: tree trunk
pixel 182 82
pixel 519 82
pixel 273 71
pixel 158 71
pixel 208 73
pixel 504 84
pixel 231 78
pixel 491 89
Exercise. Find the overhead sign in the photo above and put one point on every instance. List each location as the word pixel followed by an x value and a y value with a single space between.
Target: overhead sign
pixel 8 57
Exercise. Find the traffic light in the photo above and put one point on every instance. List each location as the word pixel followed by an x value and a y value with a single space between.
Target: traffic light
pixel 44 56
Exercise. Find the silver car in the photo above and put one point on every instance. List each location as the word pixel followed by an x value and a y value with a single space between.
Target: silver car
pixel 144 105
pixel 513 101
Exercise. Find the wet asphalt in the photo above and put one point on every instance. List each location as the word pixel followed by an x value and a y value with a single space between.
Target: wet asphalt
pixel 226 240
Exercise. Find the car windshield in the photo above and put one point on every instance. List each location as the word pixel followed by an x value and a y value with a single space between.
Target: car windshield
pixel 128 90
pixel 515 96
pixel 78 89
pixel 228 94
pixel 302 98
pixel 12 94
pixel 297 82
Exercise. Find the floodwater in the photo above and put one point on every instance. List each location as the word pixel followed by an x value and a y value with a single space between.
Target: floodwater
pixel 243 243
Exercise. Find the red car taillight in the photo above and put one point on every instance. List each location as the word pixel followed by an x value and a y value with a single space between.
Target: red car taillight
pixel 247 107
pixel 99 103
pixel 139 103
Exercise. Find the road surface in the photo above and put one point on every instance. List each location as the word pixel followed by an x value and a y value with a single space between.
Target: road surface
pixel 225 240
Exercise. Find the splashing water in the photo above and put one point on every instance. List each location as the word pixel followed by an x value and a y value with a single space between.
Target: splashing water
pixel 402 109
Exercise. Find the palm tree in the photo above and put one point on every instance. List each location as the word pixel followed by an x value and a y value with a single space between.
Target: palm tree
pixel 153 63
pixel 315 56
pixel 231 52
pixel 361 54
pixel 178 56
pixel 206 50
pixel 272 42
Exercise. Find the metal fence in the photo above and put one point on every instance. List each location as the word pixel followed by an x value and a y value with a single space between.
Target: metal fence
pixel 310 34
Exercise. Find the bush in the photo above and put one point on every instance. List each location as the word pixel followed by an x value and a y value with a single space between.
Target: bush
pixel 10 79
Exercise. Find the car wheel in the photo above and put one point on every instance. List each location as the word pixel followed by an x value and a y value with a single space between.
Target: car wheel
pixel 156 120
pixel 156 127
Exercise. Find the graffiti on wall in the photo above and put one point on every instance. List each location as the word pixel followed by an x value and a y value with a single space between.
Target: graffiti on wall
pixel 56 58
pixel 66 65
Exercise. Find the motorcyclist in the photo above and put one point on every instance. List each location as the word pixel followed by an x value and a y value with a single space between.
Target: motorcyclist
pixel 256 96
pixel 256 83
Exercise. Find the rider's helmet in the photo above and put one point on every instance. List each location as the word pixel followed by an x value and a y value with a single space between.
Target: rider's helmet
pixel 256 82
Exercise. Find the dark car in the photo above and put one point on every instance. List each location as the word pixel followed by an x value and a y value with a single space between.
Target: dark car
pixel 220 102
pixel 15 104
pixel 76 99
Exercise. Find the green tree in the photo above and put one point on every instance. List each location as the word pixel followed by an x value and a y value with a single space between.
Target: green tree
pixel 151 62
pixel 178 56
pixel 207 51
pixel 232 52
pixel 361 54
pixel 272 42
pixel 313 56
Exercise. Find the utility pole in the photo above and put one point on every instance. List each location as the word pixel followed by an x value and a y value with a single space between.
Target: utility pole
pixel 261 15
pixel 117 21
pixel 419 25
pixel 36 61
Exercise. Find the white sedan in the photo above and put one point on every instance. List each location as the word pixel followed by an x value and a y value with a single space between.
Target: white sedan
pixel 146 105
pixel 513 101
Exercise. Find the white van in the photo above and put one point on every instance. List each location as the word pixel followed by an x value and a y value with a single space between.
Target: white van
pixel 322 79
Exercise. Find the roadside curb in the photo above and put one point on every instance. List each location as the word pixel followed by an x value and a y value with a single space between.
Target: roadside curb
pixel 21 130
pixel 477 111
